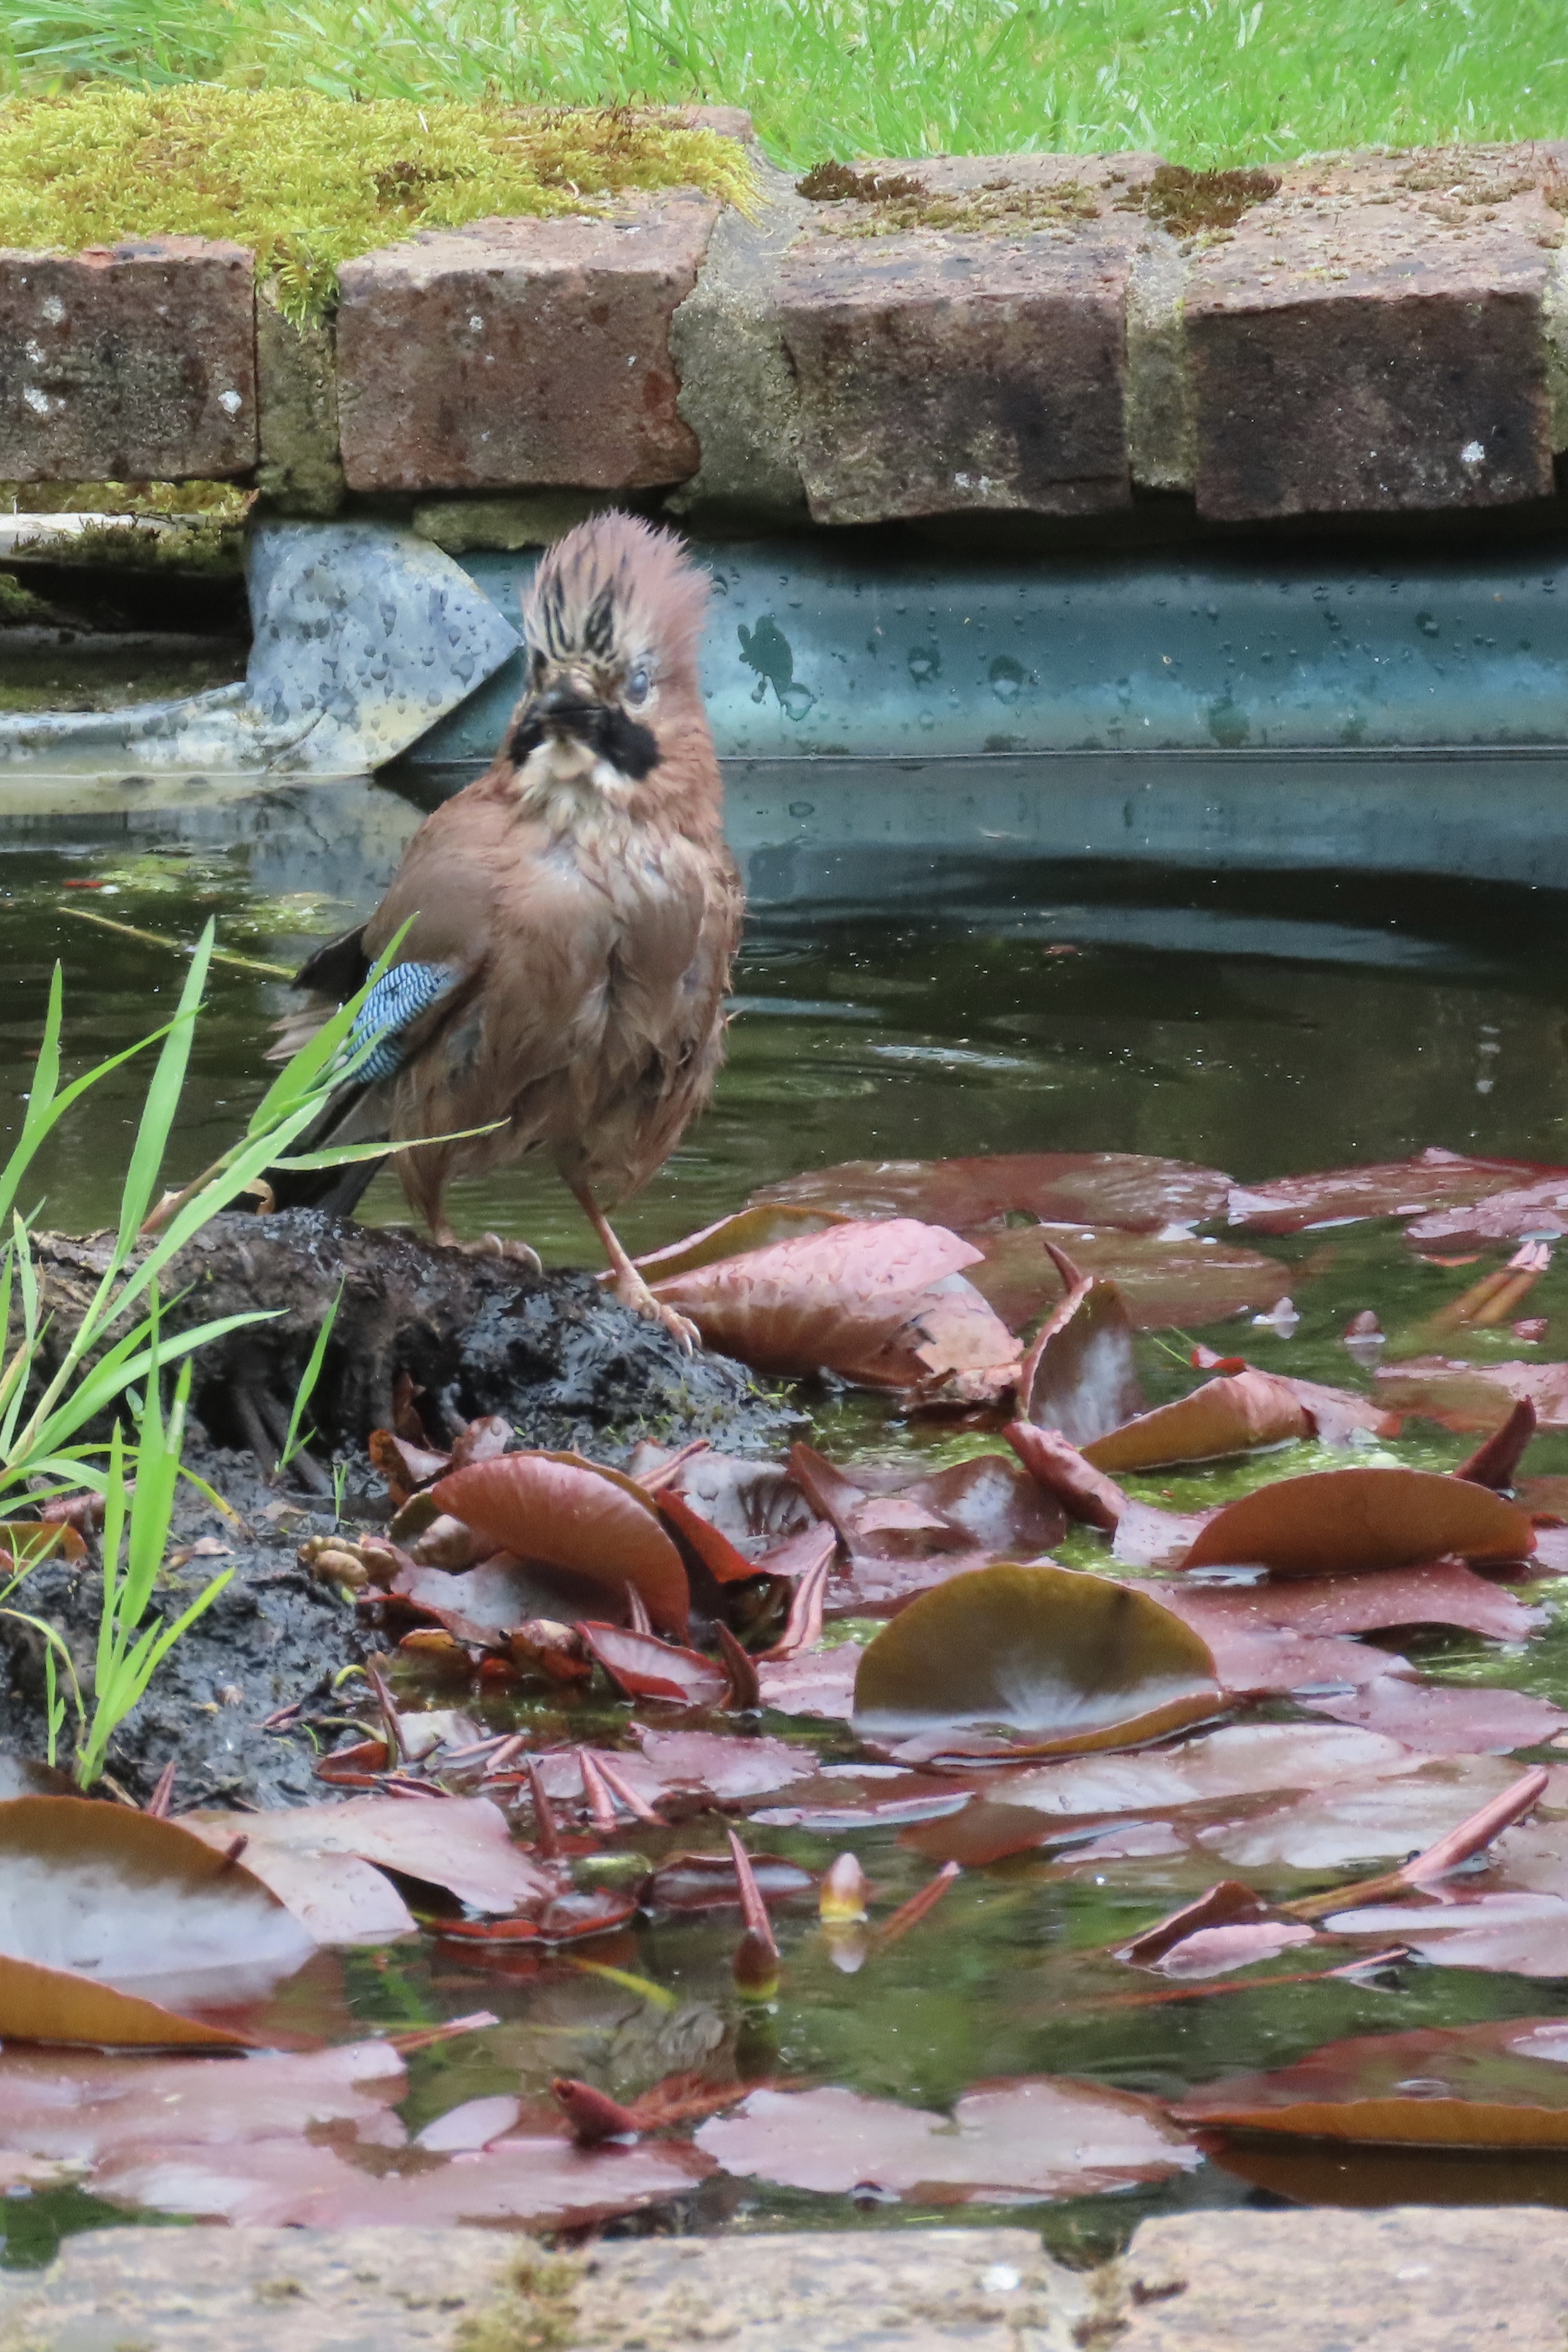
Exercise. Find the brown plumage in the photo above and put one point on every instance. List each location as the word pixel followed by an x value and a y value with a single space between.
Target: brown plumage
pixel 580 907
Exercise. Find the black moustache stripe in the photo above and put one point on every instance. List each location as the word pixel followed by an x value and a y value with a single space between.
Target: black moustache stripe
pixel 628 746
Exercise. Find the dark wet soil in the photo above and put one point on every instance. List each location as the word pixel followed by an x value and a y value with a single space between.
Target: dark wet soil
pixel 569 1366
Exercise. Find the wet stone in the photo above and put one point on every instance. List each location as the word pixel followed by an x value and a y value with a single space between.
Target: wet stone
pixel 1372 339
pixel 965 349
pixel 472 2290
pixel 514 353
pixel 128 362
pixel 1407 2280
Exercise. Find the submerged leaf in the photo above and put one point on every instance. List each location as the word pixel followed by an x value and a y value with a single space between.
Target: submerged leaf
pixel 113 1920
pixel 1165 1282
pixel 1050 1660
pixel 1479 1397
pixel 1343 1522
pixel 1535 1210
pixel 1128 1189
pixel 570 1514
pixel 1031 2137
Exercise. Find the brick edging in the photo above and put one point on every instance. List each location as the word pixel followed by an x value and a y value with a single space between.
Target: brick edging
pixel 1036 335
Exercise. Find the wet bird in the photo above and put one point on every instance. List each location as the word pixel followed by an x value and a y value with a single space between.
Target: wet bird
pixel 572 919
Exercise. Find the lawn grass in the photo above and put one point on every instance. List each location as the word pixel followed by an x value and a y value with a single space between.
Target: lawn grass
pixel 1206 82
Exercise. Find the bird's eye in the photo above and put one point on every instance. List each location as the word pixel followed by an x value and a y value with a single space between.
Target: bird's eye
pixel 638 685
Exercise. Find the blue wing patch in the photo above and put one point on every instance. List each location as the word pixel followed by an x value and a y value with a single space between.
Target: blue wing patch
pixel 398 999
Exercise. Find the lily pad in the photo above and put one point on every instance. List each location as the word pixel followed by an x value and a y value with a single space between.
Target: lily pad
pixel 1129 1189
pixel 1441 1721
pixel 1039 1661
pixel 1539 1209
pixel 114 1921
pixel 644 1667
pixel 570 1514
pixel 1010 2141
pixel 1233 1415
pixel 1079 1377
pixel 1165 1282
pixel 1478 1396
pixel 1346 1522
pixel 1397 1188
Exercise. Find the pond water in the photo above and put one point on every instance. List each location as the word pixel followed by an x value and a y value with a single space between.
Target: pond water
pixel 1260 1025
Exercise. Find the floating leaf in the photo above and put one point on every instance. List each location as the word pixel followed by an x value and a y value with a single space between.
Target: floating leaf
pixel 307 1856
pixel 722 1765
pixel 1051 1661
pixel 1215 1951
pixel 546 2181
pixel 815 1682
pixel 88 2106
pixel 113 1920
pixel 1399 1188
pixel 1416 1803
pixel 471 2126
pixel 1343 1522
pixel 1128 1189
pixel 755 1505
pixel 1480 1397
pixel 1032 2137
pixel 569 1514
pixel 707 1882
pixel 1147 1536
pixel 1439 1592
pixel 711 1546
pixel 849 1301
pixel 1254 1657
pixel 1079 1376
pixel 1498 2085
pixel 1226 1905
pixel 1230 1415
pixel 1495 1462
pixel 1538 1210
pixel 1441 1721
pixel 1164 1282
pixel 1524 1935
pixel 568 1918
pixel 736 1236
pixel 644 1667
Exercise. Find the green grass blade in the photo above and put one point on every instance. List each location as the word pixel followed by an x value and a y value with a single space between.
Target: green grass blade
pixel 163 1101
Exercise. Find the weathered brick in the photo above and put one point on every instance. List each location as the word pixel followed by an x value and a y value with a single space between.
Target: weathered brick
pixel 966 363
pixel 128 362
pixel 1372 339
pixel 521 353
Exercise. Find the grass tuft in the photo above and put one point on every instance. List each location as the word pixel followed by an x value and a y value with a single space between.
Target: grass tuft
pixel 307 180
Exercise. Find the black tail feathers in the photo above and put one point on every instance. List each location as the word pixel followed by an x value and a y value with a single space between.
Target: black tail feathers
pixel 337 1191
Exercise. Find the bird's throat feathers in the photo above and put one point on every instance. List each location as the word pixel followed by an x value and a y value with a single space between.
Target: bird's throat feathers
pixel 565 783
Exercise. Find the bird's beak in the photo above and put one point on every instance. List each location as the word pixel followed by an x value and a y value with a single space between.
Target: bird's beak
pixel 569 703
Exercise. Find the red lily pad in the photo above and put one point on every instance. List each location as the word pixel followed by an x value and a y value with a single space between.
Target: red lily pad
pixel 1348 1826
pixel 1401 1188
pixel 1030 2138
pixel 484 1605
pixel 722 1765
pixel 1439 1720
pixel 1054 1463
pixel 735 1237
pixel 1346 1522
pixel 1129 1188
pixel 1480 1397
pixel 815 1682
pixel 1498 2085
pixel 117 1923
pixel 548 2182
pixel 569 1514
pixel 1536 1209
pixel 1253 1657
pixel 86 2106
pixel 1217 1952
pixel 852 1299
pixel 307 1854
pixel 754 1504
pixel 1233 1415
pixel 1079 1377
pixel 1520 1935
pixel 644 1667
pixel 1439 1592
pixel 1165 1282
pixel 1034 1660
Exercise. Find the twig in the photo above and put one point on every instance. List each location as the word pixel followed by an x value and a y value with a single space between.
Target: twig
pixel 1482 1826
pixel 179 947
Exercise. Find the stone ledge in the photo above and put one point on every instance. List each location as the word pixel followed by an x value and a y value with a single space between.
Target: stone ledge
pixel 1026 335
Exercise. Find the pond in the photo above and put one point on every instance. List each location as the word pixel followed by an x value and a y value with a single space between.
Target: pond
pixel 1258 1024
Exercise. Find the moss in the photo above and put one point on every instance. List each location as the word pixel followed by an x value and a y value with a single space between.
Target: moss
pixel 204 544
pixel 307 182
pixel 887 206
pixel 18 604
pixel 534 2310
pixel 225 501
pixel 1188 202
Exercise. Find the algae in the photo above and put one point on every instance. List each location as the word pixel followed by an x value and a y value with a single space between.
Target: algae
pixel 226 501
pixel 18 605
pixel 307 182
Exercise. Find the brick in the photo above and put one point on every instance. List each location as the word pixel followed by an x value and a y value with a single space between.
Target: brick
pixel 515 354
pixel 1409 2280
pixel 948 369
pixel 128 362
pixel 1372 339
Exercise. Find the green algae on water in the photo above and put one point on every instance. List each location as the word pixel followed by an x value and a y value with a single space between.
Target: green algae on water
pixel 309 182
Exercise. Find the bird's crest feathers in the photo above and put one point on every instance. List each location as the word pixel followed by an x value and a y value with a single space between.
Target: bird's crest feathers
pixel 619 590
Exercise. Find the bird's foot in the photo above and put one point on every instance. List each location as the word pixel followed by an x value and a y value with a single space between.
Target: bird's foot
pixel 633 1292
pixel 492 1245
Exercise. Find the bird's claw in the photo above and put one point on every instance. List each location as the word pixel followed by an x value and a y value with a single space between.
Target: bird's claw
pixel 636 1294
pixel 516 1253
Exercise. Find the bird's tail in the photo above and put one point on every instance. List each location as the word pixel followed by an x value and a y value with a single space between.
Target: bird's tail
pixel 355 1113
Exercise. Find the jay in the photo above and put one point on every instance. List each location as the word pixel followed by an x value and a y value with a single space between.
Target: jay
pixel 572 919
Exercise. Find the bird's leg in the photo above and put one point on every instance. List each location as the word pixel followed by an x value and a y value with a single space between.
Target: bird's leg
pixel 629 1286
